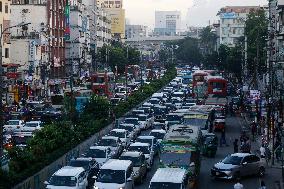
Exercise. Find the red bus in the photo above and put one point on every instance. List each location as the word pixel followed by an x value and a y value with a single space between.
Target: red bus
pixel 103 83
pixel 198 79
pixel 216 85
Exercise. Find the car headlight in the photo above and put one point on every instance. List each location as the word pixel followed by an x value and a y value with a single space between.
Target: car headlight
pixel 228 172
pixel 121 188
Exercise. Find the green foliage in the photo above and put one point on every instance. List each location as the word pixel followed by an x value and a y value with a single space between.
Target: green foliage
pixel 256 31
pixel 118 56
pixel 208 40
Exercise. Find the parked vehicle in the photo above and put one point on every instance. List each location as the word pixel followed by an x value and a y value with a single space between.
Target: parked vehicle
pixel 68 177
pixel 115 174
pixel 89 164
pixel 139 164
pixel 113 143
pixel 238 165
pixel 100 154
pixel 145 148
pixel 169 178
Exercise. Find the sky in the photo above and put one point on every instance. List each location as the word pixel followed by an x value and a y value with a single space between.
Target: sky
pixel 194 12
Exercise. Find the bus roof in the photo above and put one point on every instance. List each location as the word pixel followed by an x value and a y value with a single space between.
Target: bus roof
pixel 184 133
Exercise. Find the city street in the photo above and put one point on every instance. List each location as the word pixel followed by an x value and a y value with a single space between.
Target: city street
pixel 206 182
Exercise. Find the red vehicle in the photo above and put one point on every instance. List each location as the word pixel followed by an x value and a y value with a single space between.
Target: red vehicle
pixel 216 85
pixel 103 83
pixel 198 79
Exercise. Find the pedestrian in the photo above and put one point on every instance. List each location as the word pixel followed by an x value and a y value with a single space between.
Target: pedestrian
pixel 236 146
pixel 278 152
pixel 238 185
pixel 262 185
pixel 262 151
pixel 223 137
pixel 267 154
pixel 253 130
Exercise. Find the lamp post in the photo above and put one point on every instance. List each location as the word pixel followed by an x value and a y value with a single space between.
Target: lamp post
pixel 1 87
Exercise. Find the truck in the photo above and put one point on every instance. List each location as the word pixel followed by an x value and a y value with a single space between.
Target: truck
pixel 181 149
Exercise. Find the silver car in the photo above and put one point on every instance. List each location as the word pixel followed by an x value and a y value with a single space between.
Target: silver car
pixel 238 165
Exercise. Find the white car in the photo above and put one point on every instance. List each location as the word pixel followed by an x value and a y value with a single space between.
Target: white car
pixel 68 177
pixel 13 125
pixel 145 121
pixel 115 174
pixel 145 148
pixel 159 134
pixel 32 126
pixel 100 153
pixel 133 131
pixel 113 143
pixel 122 134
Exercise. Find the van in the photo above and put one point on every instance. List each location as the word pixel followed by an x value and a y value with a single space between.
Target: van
pixel 169 178
pixel 115 174
pixel 68 177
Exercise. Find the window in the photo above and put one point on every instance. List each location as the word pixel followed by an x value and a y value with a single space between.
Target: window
pixel 6 52
pixel 6 8
pixel 0 6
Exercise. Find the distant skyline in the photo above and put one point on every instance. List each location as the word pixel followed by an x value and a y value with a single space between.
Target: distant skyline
pixel 194 12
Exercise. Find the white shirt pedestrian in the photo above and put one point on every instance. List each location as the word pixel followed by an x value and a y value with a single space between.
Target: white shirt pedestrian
pixel 262 152
pixel 238 186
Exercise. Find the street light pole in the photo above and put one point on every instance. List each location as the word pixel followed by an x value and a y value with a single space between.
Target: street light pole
pixel 1 87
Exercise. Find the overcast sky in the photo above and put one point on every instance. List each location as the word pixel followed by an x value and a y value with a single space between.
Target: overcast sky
pixel 197 12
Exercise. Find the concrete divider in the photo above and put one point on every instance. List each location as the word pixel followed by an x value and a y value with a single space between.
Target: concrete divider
pixel 37 180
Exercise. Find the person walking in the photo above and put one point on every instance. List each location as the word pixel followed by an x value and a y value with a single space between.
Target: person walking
pixel 236 146
pixel 238 185
pixel 253 130
pixel 267 154
pixel 262 151
pixel 262 185
pixel 223 138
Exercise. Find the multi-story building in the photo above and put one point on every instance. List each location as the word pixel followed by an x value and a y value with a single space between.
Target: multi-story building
pixel 167 23
pixel 114 8
pixel 5 23
pixel 135 31
pixel 103 28
pixel 78 55
pixel 232 23
pixel 39 48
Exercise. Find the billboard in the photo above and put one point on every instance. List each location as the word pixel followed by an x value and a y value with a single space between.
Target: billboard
pixel 228 15
pixel 117 21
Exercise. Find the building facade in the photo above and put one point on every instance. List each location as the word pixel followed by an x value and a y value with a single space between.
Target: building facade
pixel 135 31
pixel 232 23
pixel 103 28
pixel 167 23
pixel 114 8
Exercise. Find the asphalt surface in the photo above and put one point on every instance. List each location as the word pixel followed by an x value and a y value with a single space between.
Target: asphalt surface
pixel 206 182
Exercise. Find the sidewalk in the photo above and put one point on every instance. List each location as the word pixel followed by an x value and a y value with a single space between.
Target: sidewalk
pixel 255 145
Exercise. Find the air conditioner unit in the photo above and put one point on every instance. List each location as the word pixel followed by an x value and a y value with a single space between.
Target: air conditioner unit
pixel 25 10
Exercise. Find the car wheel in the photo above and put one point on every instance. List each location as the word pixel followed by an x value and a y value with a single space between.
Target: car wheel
pixel 261 171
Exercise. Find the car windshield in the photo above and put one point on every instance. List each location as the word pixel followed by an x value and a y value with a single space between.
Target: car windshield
pixel 158 135
pixel 111 176
pixel 13 123
pixel 164 185
pixel 80 163
pixel 96 153
pixel 144 140
pixel 31 125
pixel 107 142
pixel 128 128
pixel 131 121
pixel 135 160
pixel 175 159
pixel 63 181
pixel 234 160
pixel 117 134
pixel 143 149
pixel 142 118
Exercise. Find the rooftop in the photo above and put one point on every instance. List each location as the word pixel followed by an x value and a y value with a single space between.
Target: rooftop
pixel 170 175
pixel 114 164
pixel 69 171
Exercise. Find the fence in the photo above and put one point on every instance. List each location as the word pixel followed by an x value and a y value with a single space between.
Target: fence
pixel 37 180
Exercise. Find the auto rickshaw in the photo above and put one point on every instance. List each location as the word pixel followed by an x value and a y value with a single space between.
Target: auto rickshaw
pixel 209 145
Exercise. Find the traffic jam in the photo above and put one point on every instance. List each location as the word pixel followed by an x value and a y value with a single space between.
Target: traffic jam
pixel 174 129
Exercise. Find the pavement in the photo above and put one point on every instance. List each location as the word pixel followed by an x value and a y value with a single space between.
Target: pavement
pixel 234 125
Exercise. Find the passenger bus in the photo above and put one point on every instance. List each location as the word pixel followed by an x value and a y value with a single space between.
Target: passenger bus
pixel 199 78
pixel 103 83
pixel 216 85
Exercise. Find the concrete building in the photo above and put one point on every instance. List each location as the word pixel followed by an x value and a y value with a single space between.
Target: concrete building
pixel 167 23
pixel 114 8
pixel 5 23
pixel 78 55
pixel 103 28
pixel 232 23
pixel 134 31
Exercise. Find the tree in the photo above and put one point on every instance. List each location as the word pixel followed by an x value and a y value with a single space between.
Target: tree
pixel 256 32
pixel 208 40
